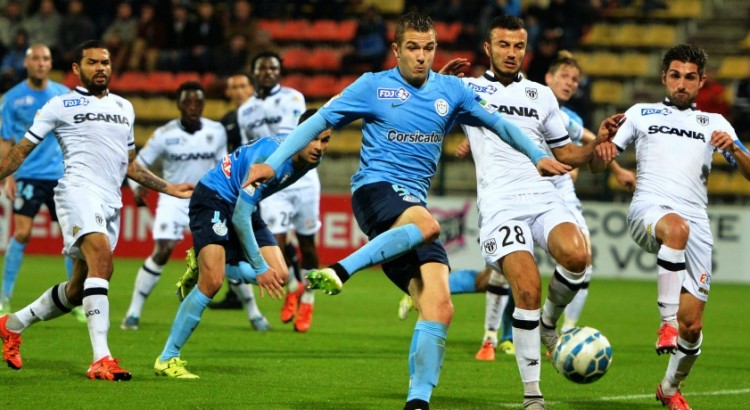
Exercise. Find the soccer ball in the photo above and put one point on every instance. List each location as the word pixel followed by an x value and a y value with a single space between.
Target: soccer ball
pixel 582 355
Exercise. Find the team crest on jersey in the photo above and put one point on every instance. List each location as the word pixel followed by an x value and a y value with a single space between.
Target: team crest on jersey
pixel 226 166
pixel 702 119
pixel 441 106
pixel 393 94
pixel 490 246
pixel 532 93
pixel 99 219
pixel 75 102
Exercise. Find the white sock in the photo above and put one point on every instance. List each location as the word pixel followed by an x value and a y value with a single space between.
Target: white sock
pixel 45 307
pixel 308 296
pixel 247 296
pixel 670 272
pixel 561 291
pixel 575 307
pixel 528 353
pixel 96 306
pixel 680 364
pixel 496 297
pixel 145 281
pixel 294 284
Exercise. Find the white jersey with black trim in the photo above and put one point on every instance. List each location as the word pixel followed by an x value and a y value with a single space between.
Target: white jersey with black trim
pixel 186 157
pixel 276 114
pixel 96 136
pixel 501 170
pixel 673 153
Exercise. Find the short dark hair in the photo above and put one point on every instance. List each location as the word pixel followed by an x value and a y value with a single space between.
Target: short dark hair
pixel 505 22
pixel 413 21
pixel 87 45
pixel 687 54
pixel 307 114
pixel 564 58
pixel 189 86
pixel 266 54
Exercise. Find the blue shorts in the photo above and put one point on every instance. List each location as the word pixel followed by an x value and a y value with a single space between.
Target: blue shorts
pixel 377 206
pixel 211 223
pixel 32 193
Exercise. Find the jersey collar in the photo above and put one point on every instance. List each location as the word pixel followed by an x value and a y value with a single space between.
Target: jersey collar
pixel 83 91
pixel 274 90
pixel 669 103
pixel 489 75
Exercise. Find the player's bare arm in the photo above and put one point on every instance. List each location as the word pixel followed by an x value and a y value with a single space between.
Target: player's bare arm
pixel 146 178
pixel 259 173
pixel 455 67
pixel 624 176
pixel 10 183
pixel 722 140
pixel 15 157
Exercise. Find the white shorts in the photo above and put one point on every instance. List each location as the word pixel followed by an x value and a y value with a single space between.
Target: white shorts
pixel 642 218
pixel 517 229
pixel 171 218
pixel 81 212
pixel 293 209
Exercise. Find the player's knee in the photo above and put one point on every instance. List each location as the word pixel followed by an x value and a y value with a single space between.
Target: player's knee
pixel 209 283
pixel 22 236
pixel 574 259
pixel 690 330
pixel 527 298
pixel 430 230
pixel 675 233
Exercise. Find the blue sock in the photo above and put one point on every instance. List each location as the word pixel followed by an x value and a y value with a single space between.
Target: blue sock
pixel 384 247
pixel 13 259
pixel 187 319
pixel 242 273
pixel 506 323
pixel 69 266
pixel 426 358
pixel 463 281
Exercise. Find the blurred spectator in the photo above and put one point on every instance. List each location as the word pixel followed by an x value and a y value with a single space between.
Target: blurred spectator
pixel 233 57
pixel 207 34
pixel 712 97
pixel 149 40
pixel 741 110
pixel 370 44
pixel 75 28
pixel 120 35
pixel 10 21
pixel 176 54
pixel 543 55
pixel 241 21
pixel 44 27
pixel 12 69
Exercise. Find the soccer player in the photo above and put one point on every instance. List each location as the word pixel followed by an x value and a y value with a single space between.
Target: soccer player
pixel 518 208
pixel 563 78
pixel 238 90
pixel 187 147
pixel 231 239
pixel 33 183
pixel 406 112
pixel 674 143
pixel 275 109
pixel 95 130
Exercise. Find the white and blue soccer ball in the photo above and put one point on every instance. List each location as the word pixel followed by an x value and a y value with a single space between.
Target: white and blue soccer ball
pixel 582 354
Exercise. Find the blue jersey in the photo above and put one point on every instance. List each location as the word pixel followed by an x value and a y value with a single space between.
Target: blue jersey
pixel 403 126
pixel 18 109
pixel 227 177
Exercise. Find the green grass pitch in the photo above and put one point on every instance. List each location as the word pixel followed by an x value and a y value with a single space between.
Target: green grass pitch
pixel 354 356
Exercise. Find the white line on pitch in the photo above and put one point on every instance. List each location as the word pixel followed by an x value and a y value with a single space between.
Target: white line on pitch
pixel 639 397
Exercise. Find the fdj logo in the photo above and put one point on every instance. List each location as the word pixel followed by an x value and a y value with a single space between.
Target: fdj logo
pixel 393 94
